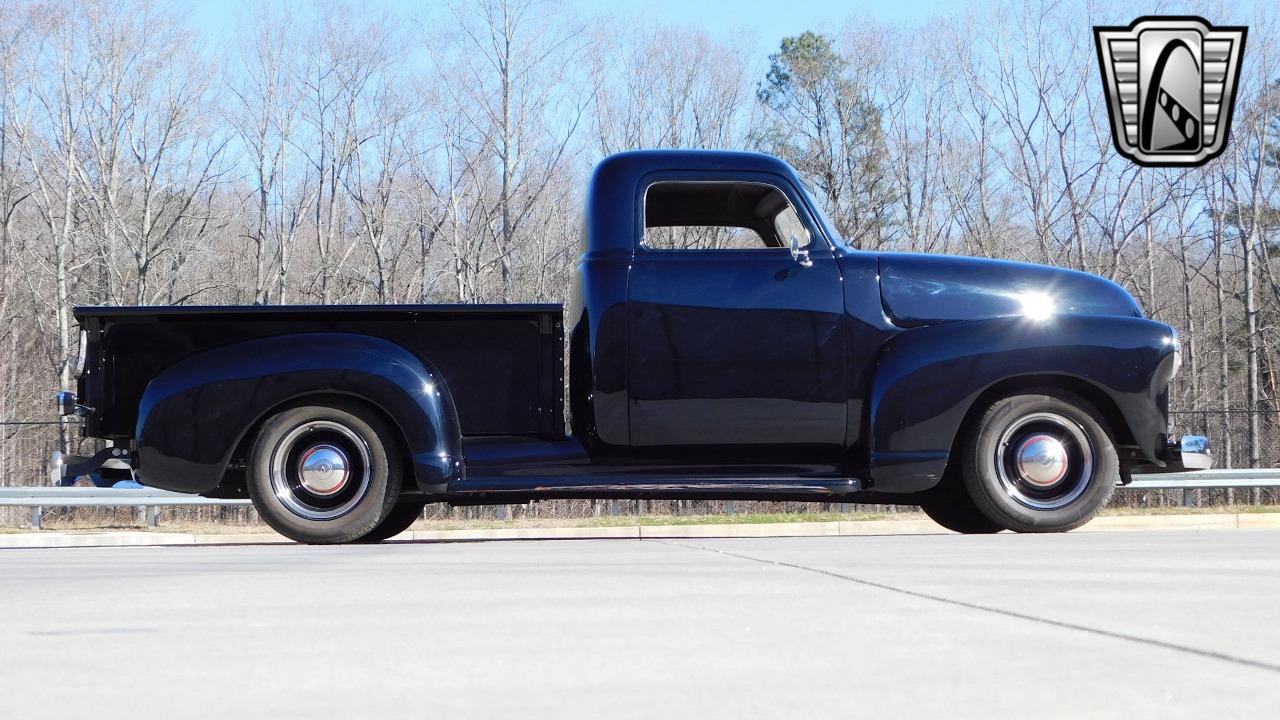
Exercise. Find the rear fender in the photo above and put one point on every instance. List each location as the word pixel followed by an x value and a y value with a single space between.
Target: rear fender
pixel 195 413
pixel 928 379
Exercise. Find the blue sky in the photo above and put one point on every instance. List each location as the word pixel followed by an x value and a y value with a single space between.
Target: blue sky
pixel 768 18
pixel 763 21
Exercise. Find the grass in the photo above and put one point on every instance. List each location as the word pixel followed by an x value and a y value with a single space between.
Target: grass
pixel 207 528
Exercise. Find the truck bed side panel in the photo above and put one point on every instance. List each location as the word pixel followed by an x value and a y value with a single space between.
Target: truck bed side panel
pixel 503 364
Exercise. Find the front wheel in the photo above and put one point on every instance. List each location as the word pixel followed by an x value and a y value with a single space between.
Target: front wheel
pixel 324 474
pixel 1040 463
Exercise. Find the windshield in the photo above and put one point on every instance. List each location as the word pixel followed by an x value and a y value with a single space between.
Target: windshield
pixel 823 218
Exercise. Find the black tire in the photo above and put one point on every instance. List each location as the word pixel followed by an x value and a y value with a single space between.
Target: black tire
pixel 325 474
pixel 1040 462
pixel 960 516
pixel 404 514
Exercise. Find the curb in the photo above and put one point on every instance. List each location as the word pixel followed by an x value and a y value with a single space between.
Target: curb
pixel 94 539
pixel 1215 521
pixel 626 532
pixel 842 528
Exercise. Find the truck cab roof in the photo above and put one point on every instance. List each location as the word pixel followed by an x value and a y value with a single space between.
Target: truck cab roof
pixel 615 197
pixel 651 160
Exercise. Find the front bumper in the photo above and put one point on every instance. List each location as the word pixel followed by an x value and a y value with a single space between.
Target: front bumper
pixel 1187 453
pixel 1193 452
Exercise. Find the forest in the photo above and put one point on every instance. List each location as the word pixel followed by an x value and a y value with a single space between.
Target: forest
pixel 324 153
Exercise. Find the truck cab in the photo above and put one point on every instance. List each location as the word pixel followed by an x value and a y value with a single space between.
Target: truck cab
pixel 721 341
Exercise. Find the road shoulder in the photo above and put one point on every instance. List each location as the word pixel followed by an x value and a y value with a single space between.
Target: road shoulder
pixel 1200 521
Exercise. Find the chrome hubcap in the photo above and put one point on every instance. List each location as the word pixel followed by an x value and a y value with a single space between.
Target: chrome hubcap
pixel 1044 461
pixel 321 469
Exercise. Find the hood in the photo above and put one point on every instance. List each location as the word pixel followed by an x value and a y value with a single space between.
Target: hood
pixel 928 289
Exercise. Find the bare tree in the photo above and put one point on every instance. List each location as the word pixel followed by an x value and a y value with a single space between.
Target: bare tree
pixel 822 119
pixel 668 87
pixel 339 154
pixel 267 96
pixel 512 65
pixel 346 73
pixel 49 141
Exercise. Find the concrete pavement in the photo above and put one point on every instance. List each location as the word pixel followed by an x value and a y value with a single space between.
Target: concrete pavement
pixel 1159 624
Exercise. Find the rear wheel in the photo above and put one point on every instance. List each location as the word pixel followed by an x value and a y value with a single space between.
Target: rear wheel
pixel 404 514
pixel 1040 463
pixel 324 474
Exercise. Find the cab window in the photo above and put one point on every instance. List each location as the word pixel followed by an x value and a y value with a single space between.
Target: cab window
pixel 719 216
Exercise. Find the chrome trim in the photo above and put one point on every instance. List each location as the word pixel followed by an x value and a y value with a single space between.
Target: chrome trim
pixel 1196 453
pixel 1042 460
pixel 294 490
pixel 800 254
pixel 323 469
pixel 56 467
pixel 1029 490
pixel 669 487
pixel 82 354
pixel 62 466
pixel 68 405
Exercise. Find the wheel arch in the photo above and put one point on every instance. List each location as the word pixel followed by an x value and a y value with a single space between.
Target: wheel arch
pixel 931 381
pixel 232 486
pixel 199 416
pixel 1048 383
pixel 1045 384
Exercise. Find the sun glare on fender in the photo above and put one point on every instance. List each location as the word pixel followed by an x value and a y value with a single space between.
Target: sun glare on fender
pixel 1036 305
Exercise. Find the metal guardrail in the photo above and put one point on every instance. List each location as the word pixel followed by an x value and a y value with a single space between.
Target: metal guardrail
pixel 38 498
pixel 1209 479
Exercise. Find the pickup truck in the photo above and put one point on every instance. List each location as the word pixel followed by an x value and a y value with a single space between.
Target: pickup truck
pixel 723 342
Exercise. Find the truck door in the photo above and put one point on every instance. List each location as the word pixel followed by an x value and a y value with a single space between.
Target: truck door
pixel 736 343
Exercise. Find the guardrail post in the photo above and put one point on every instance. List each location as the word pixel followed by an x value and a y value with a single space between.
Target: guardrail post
pixel 37 517
pixel 730 507
pixel 153 516
pixel 844 507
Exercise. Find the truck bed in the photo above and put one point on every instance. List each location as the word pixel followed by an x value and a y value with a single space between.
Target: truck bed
pixel 503 363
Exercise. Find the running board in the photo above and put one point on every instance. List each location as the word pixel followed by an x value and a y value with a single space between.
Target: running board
pixel 485 489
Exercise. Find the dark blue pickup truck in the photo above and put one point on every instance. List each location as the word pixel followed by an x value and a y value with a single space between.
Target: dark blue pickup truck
pixel 723 342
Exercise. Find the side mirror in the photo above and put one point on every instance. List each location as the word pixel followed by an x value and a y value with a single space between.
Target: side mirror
pixel 798 252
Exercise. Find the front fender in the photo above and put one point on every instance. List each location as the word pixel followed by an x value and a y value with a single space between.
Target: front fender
pixel 928 378
pixel 194 414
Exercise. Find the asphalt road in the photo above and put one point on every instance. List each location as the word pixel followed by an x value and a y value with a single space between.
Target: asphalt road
pixel 1115 624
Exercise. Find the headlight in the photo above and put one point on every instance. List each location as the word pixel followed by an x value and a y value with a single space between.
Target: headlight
pixel 83 354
